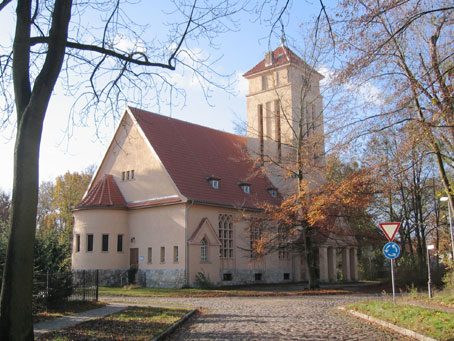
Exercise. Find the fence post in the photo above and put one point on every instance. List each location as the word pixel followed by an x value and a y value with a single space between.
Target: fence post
pixel 83 285
pixel 97 284
pixel 47 285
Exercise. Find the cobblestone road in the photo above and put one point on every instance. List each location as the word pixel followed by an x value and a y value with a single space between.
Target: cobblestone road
pixel 273 318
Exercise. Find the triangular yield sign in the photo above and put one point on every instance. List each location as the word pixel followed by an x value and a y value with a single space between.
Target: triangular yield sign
pixel 389 229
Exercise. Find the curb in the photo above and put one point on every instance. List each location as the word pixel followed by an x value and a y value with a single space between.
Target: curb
pixel 174 326
pixel 401 330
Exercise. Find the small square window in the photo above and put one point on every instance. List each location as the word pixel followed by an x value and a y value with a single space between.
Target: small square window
pixel 286 276
pixel 272 192
pixel 227 277
pixel 258 276
pixel 214 183
pixel 246 188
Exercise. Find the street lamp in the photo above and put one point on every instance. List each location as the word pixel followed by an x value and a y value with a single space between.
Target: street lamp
pixel 450 225
pixel 429 282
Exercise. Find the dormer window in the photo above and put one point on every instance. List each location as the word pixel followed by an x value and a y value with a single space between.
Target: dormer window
pixel 245 187
pixel 272 192
pixel 214 181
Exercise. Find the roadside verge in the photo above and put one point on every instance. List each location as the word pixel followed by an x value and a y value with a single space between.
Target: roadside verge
pixel 403 331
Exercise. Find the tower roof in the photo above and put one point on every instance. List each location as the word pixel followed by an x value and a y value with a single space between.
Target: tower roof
pixel 280 56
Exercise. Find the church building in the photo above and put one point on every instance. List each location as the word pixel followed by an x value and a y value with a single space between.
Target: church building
pixel 168 196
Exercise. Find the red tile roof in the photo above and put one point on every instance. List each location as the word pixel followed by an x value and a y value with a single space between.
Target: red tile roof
pixel 281 56
pixel 105 193
pixel 192 153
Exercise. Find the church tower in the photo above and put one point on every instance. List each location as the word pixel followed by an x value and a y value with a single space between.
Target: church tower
pixel 284 115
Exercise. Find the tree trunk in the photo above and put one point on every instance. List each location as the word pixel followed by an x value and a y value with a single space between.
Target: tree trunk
pixel 16 322
pixel 310 260
pixel 16 296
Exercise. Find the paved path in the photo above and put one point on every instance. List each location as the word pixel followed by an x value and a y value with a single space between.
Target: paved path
pixel 71 320
pixel 271 318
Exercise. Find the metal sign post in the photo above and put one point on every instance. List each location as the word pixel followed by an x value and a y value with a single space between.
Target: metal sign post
pixel 392 251
pixel 392 280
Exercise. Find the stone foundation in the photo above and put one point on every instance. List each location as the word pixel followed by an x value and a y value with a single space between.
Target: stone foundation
pixel 255 276
pixel 162 278
pixel 107 278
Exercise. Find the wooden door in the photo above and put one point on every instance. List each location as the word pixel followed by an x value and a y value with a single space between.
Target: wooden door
pixel 134 258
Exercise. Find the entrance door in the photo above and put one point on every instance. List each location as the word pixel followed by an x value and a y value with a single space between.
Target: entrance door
pixel 134 258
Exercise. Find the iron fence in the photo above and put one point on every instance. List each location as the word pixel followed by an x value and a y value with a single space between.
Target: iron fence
pixel 70 286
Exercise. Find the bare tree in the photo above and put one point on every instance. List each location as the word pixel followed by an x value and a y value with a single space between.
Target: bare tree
pixel 99 62
pixel 399 55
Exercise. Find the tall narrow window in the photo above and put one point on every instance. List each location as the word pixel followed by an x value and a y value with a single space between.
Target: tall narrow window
pixel 307 118
pixel 77 242
pixel 226 235
pixel 203 251
pixel 105 243
pixel 132 174
pixel 264 82
pixel 150 255
pixel 313 118
pixel 120 243
pixel 277 116
pixel 163 254
pixel 255 235
pixel 260 129
pixel 175 254
pixel 268 121
pixel 89 242
pixel 127 175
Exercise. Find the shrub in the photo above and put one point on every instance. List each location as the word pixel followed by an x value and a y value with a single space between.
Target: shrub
pixel 448 278
pixel 132 275
pixel 202 281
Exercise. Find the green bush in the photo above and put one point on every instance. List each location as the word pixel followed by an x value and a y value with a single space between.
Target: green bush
pixel 202 281
pixel 132 275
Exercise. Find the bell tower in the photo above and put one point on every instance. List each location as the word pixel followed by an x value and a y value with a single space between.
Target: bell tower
pixel 284 108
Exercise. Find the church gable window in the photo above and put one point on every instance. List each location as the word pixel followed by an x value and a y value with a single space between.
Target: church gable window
pixel 203 251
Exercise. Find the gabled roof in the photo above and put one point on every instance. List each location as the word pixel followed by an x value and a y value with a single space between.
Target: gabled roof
pixel 105 193
pixel 191 154
pixel 281 56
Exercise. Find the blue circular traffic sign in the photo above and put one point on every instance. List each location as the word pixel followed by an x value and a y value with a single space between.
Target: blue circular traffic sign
pixel 391 250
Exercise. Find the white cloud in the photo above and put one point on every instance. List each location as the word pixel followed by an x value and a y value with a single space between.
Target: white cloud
pixel 127 45
pixel 366 92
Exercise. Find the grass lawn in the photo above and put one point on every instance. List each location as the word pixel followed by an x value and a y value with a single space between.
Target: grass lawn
pixel 191 292
pixel 134 323
pixel 59 309
pixel 429 322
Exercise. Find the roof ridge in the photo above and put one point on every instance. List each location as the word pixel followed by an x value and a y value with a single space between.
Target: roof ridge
pixel 186 122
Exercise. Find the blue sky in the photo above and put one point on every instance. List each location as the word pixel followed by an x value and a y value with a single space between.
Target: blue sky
pixel 238 52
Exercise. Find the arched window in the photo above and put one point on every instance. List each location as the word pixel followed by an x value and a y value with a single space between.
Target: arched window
pixel 203 251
